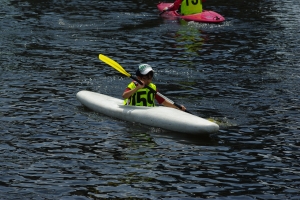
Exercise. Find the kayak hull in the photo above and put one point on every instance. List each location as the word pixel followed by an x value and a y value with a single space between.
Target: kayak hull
pixel 205 16
pixel 159 116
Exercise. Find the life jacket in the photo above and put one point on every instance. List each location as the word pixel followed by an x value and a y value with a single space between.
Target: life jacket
pixel 189 7
pixel 143 97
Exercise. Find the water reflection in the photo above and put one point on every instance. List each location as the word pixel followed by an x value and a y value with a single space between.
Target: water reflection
pixel 189 38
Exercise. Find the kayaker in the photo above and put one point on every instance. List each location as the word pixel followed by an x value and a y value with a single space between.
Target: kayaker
pixel 137 95
pixel 186 7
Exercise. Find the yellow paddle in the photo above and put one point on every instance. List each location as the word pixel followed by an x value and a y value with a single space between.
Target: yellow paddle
pixel 119 68
pixel 113 64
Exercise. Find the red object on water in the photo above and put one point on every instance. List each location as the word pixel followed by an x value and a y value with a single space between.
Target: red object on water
pixel 206 16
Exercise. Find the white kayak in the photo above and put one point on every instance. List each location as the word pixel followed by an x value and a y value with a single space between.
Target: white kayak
pixel 159 116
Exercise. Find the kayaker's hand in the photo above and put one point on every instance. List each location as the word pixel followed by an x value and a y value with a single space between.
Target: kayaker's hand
pixel 183 108
pixel 139 86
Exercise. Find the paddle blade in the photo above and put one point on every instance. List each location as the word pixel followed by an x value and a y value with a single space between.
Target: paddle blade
pixel 113 64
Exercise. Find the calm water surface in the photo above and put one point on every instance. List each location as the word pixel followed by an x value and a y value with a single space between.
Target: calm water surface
pixel 243 73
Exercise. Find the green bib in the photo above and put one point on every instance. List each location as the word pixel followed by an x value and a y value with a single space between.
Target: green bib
pixel 143 97
pixel 189 7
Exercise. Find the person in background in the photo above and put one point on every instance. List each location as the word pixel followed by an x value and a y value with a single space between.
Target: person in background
pixel 186 7
pixel 138 95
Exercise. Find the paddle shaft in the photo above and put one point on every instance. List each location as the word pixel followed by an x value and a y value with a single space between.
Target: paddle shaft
pixel 162 12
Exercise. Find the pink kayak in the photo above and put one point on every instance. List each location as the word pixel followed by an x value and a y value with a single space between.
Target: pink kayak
pixel 205 16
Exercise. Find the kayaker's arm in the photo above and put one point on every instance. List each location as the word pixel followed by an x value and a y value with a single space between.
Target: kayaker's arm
pixel 128 93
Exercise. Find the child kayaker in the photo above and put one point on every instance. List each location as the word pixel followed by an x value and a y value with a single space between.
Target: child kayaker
pixel 138 95
pixel 186 7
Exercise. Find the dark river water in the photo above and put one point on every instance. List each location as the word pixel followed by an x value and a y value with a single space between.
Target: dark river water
pixel 243 73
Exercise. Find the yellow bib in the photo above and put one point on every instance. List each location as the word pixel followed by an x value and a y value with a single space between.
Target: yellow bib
pixel 143 97
pixel 189 7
